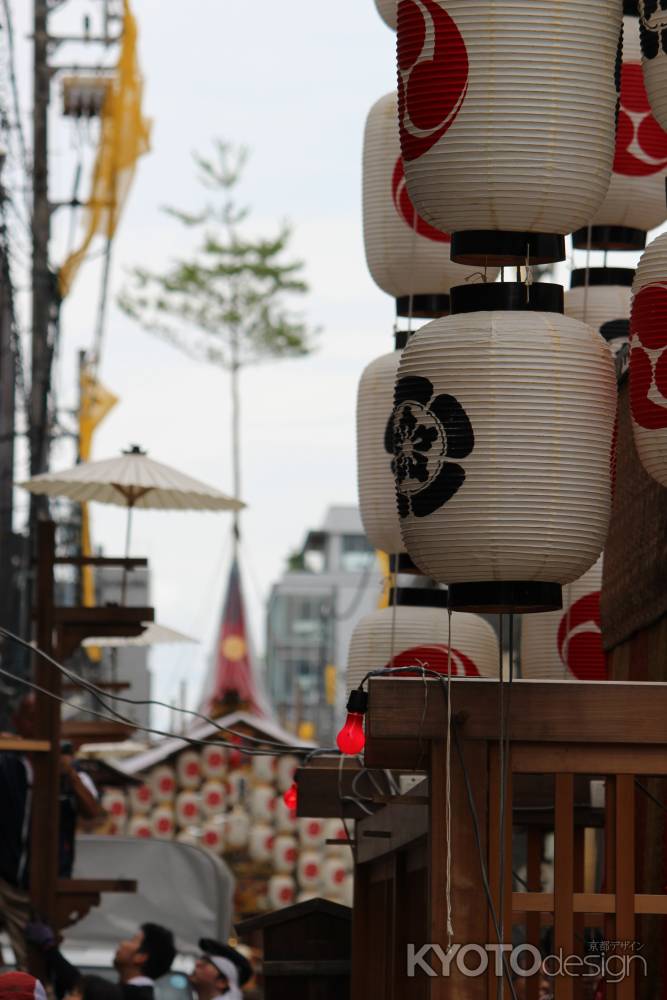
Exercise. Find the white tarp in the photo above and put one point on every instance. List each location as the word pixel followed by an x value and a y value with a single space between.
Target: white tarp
pixel 182 887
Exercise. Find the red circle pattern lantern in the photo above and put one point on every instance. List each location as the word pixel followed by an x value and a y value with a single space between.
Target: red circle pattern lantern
pixel 648 360
pixel 506 118
pixel 567 644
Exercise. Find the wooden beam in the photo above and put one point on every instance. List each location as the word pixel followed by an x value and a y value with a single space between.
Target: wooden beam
pixel 96 731
pixel 541 711
pixel 126 563
pixel 24 746
pixel 579 758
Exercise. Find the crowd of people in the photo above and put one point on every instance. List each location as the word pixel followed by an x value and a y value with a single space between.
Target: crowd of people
pixel 219 973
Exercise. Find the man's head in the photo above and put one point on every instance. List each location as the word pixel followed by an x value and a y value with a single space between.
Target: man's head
pixel 149 953
pixel 213 975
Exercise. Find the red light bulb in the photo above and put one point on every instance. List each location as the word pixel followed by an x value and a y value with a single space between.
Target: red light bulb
pixel 352 739
pixel 290 796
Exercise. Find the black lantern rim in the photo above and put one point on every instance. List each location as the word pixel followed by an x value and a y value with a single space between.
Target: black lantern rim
pixel 630 8
pixel 400 339
pixel 614 329
pixel 503 248
pixel 506 597
pixel 417 597
pixel 400 562
pixel 507 295
pixel 422 306
pixel 597 276
pixel 609 238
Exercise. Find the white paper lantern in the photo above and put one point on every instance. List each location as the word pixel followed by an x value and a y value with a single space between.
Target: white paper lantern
pixel 282 891
pixel 212 837
pixel 140 826
pixel 187 808
pixel 408 259
pixel 654 56
pixel 236 829
pixel 334 829
pixel 162 823
pixel 141 799
pixel 309 870
pixel 212 762
pixel 305 897
pixel 635 201
pixel 648 360
pixel 264 768
pixel 212 797
pixel 116 827
pixel 263 803
pixel 347 891
pixel 285 769
pixel 311 832
pixel 285 819
pixel 403 634
pixel 114 803
pixel 601 297
pixel 387 11
pixel 285 853
pixel 260 842
pixel 375 479
pixel 237 782
pixel 334 874
pixel 163 783
pixel 502 433
pixel 567 644
pixel 507 119
pixel 188 769
pixel 188 837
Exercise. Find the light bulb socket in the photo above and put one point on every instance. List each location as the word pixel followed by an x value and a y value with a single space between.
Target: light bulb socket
pixel 357 702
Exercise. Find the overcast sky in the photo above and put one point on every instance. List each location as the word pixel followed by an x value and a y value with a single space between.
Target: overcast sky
pixel 294 82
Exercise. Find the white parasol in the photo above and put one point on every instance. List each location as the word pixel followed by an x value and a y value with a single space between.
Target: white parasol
pixel 131 480
pixel 153 635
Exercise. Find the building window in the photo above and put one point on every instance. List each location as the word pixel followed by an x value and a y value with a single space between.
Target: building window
pixel 356 554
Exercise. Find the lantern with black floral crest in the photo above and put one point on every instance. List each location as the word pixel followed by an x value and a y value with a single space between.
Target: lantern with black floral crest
pixel 601 297
pixel 407 258
pixel 502 428
pixel 635 201
pixel 413 631
pixel 507 121
pixel 648 360
pixel 653 25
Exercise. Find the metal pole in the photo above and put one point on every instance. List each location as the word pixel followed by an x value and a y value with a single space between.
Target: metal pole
pixel 236 436
pixel 7 434
pixel 41 277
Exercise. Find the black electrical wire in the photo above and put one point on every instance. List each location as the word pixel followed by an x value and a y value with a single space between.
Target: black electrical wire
pixel 99 694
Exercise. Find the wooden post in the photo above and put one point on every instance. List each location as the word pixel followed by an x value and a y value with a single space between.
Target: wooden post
pixel 45 801
pixel 468 900
pixel 625 878
pixel 496 837
pixel 535 837
pixel 564 880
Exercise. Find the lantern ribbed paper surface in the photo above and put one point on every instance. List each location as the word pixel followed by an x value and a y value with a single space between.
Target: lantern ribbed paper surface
pixel 507 112
pixel 419 636
pixel 636 195
pixel 654 56
pixel 387 11
pixel 567 644
pixel 602 303
pixel 648 360
pixel 502 435
pixel 375 479
pixel 404 254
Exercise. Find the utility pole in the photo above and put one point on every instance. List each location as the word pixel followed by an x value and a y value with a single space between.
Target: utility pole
pixel 7 435
pixel 42 286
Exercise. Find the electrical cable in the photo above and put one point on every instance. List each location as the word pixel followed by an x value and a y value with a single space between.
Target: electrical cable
pixel 284 749
pixel 15 95
pixel 100 694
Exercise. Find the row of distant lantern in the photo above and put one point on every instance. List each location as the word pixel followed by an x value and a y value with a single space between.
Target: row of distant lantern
pixel 484 442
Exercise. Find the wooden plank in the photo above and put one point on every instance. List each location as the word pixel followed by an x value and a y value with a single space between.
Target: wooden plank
pixel 24 746
pixel 625 876
pixel 564 879
pixel 646 902
pixel 541 711
pixel 96 731
pixel 361 916
pixel 579 758
pixel 610 866
pixel 579 918
pixel 112 614
pixel 128 563
pixel 584 902
pixel 437 847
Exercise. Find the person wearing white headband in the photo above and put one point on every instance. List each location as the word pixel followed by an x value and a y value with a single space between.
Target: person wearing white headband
pixel 215 978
